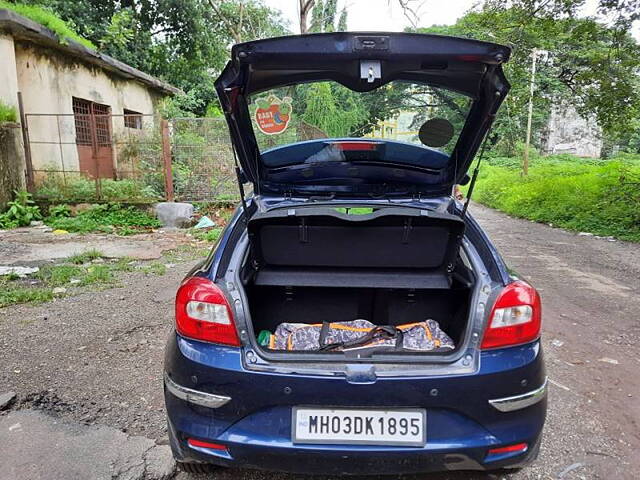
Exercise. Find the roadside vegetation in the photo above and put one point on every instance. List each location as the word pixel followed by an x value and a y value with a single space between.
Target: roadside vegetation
pixel 585 195
pixel 20 212
pixel 55 189
pixel 106 218
pixel 72 275
pixel 47 18
pixel 7 113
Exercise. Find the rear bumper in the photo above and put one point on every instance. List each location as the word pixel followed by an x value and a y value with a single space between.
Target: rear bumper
pixel 255 423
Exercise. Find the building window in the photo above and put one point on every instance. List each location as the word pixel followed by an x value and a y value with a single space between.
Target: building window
pixel 102 114
pixel 132 119
pixel 82 117
pixel 91 119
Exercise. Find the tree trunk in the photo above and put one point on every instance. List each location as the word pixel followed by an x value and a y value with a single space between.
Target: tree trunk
pixel 305 7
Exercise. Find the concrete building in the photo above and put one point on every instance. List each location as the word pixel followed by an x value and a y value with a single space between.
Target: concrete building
pixel 569 132
pixel 76 99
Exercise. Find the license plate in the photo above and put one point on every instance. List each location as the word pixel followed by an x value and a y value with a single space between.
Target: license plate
pixel 360 427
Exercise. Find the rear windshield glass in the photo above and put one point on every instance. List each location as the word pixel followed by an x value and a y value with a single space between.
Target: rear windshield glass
pixel 402 111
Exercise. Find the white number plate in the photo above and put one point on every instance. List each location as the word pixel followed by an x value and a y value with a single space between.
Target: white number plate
pixel 364 427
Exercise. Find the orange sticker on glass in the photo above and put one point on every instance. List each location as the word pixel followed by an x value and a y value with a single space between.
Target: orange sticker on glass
pixel 272 114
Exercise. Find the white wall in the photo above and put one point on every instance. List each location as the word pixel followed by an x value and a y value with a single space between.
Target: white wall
pixel 569 132
pixel 8 74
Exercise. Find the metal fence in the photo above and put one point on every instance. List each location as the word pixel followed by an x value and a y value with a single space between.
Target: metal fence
pixel 93 155
pixel 202 160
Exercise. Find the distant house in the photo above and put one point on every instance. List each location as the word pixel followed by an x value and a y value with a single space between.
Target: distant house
pixel 569 132
pixel 76 99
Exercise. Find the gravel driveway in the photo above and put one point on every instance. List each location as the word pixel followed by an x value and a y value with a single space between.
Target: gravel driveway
pixel 97 358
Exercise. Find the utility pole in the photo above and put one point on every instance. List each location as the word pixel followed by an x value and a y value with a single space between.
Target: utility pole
pixel 525 159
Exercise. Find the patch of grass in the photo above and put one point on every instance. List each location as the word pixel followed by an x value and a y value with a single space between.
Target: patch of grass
pixel 212 235
pixel 7 113
pixel 186 253
pixel 125 264
pixel 59 275
pixel 597 196
pixel 84 257
pixel 98 274
pixel 110 218
pixel 74 272
pixel 48 19
pixel 11 293
pixel 154 268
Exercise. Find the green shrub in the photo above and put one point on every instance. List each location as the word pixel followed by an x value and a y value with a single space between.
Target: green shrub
pixel 79 189
pixel 21 211
pixel 106 218
pixel 60 211
pixel 127 190
pixel 601 197
pixel 7 113
pixel 47 18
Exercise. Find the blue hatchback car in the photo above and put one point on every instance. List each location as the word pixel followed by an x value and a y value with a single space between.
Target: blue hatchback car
pixel 352 144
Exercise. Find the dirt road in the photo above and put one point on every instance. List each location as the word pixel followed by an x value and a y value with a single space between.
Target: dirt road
pixel 96 358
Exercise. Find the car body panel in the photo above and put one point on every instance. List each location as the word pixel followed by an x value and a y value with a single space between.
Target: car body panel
pixel 256 423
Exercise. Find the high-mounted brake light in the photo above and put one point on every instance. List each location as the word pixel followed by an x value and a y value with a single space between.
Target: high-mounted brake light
pixel 203 313
pixel 516 317
pixel 358 146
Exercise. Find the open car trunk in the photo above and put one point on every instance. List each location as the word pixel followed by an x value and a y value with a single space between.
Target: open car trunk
pixel 391 267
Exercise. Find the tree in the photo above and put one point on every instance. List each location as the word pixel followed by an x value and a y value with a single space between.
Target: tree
pixel 411 10
pixel 305 7
pixel 332 109
pixel 329 15
pixel 342 21
pixel 323 17
pixel 590 65
pixel 183 42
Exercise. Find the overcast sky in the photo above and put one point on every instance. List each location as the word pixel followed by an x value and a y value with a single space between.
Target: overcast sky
pixel 386 15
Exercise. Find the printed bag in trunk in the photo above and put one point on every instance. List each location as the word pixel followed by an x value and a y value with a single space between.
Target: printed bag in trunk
pixel 340 336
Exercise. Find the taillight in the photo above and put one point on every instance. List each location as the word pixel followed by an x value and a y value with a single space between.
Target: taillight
pixel 203 313
pixel 515 318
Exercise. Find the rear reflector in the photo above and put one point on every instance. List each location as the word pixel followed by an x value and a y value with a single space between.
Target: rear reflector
pixel 515 318
pixel 518 447
pixel 203 313
pixel 192 442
